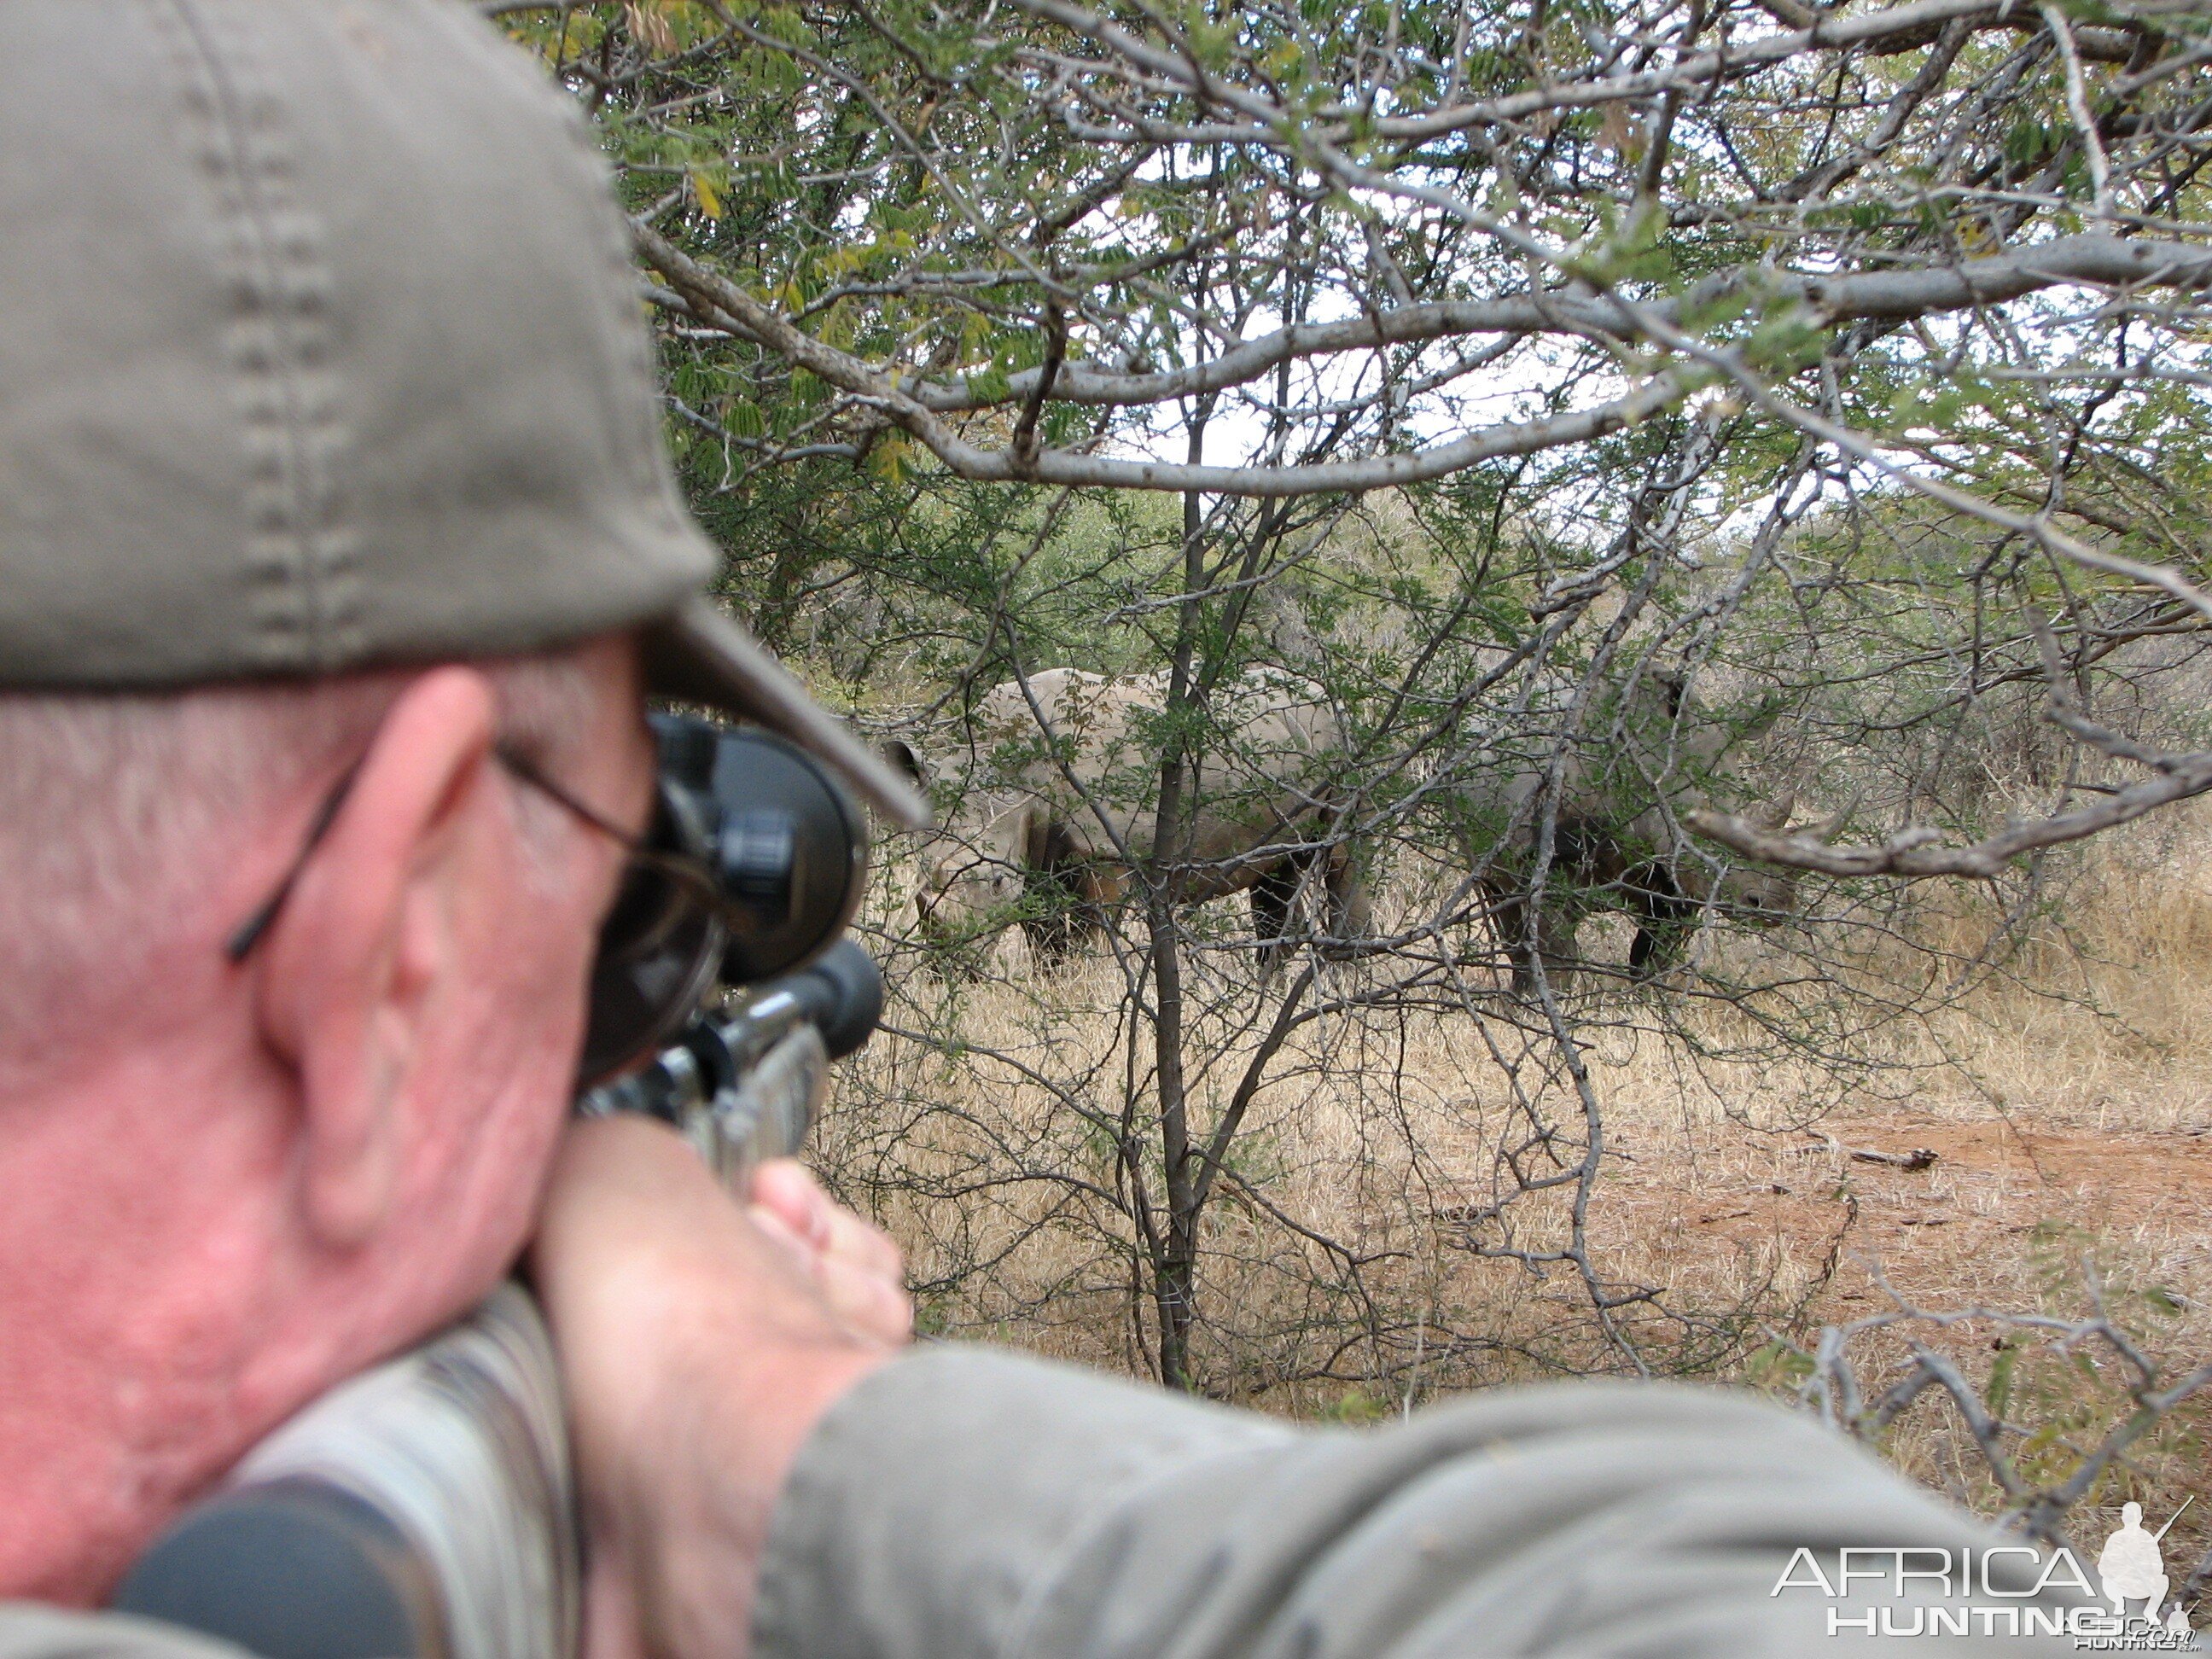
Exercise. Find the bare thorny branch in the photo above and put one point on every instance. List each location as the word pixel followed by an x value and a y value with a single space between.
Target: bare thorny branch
pixel 2148 1386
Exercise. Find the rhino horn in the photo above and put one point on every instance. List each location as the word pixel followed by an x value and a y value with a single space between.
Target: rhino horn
pixel 1821 828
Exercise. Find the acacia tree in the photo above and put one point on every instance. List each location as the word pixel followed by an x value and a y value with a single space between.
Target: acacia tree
pixel 1946 245
pixel 1495 359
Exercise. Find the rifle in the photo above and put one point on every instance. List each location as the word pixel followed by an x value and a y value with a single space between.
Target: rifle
pixel 426 1510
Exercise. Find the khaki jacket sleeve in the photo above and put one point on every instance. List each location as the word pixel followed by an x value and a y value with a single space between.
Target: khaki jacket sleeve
pixel 963 1502
pixel 30 1631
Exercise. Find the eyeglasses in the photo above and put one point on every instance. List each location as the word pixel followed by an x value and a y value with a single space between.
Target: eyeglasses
pixel 659 947
pixel 754 861
pixel 686 871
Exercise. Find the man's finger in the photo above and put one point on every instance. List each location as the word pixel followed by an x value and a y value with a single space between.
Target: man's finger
pixel 783 1187
pixel 868 1248
pixel 873 1304
pixel 857 1268
pixel 804 1254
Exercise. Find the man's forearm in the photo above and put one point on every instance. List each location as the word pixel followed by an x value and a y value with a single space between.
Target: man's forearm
pixel 966 1502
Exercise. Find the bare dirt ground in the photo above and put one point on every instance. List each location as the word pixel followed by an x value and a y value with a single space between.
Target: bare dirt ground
pixel 1990 1186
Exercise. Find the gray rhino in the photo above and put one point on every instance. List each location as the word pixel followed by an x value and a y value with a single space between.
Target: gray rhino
pixel 1062 781
pixel 1636 763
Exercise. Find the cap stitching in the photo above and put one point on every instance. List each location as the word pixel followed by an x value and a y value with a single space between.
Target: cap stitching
pixel 284 285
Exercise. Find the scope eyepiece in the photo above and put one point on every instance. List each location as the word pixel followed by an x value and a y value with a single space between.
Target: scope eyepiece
pixel 787 852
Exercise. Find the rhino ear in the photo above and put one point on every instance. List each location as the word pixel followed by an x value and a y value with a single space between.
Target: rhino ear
pixel 901 753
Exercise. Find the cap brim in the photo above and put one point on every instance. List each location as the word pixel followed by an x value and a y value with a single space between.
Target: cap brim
pixel 698 654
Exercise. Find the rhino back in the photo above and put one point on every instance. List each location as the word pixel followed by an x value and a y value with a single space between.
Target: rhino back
pixel 1627 768
pixel 1093 767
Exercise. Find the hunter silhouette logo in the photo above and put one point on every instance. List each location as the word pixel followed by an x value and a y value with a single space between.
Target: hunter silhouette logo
pixel 2131 1567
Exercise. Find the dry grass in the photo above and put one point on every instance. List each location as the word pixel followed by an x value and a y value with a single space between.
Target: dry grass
pixel 2068 1097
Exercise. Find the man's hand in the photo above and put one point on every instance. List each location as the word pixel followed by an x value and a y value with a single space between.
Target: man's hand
pixel 700 1342
pixel 852 1264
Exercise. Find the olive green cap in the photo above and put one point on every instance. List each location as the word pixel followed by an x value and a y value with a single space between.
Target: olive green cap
pixel 320 348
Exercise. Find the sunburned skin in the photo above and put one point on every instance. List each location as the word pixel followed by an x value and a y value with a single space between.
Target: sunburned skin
pixel 295 1165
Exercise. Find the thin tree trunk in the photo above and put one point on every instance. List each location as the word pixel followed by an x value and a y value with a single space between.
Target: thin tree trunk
pixel 1176 1263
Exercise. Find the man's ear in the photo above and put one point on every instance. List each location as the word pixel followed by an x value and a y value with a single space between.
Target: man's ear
pixel 352 965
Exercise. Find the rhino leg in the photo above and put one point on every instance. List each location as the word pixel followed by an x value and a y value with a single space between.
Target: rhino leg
pixel 1100 887
pixel 1053 908
pixel 1556 931
pixel 1050 928
pixel 1065 911
pixel 1331 872
pixel 1664 916
pixel 1274 896
pixel 1071 893
pixel 1556 922
pixel 1350 912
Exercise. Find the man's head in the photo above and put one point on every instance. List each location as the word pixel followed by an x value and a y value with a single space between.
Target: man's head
pixel 328 461
pixel 223 1185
